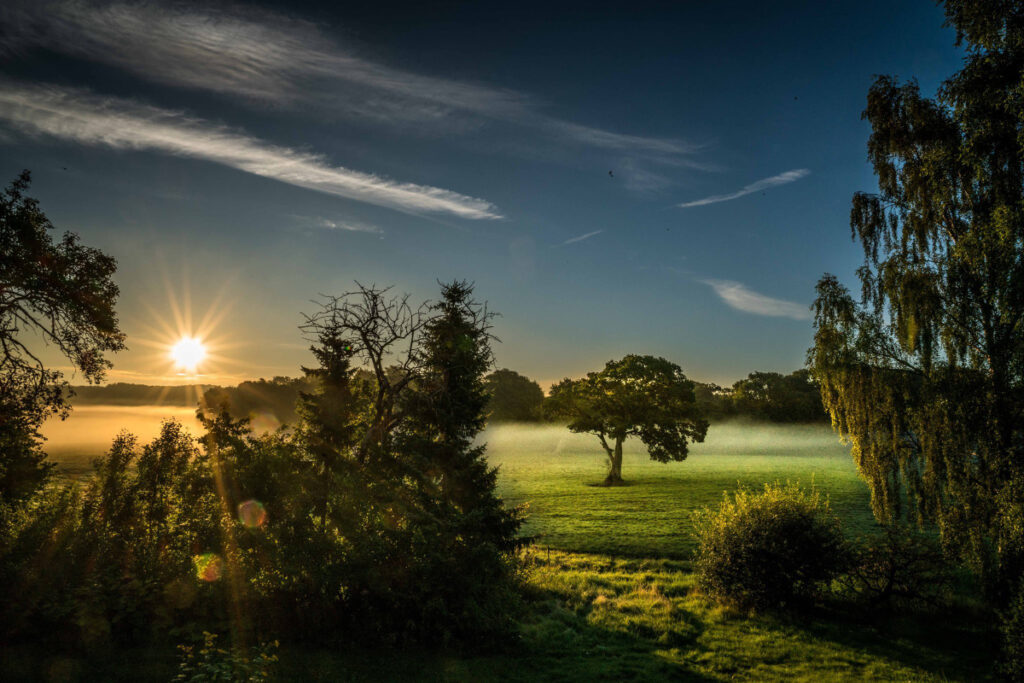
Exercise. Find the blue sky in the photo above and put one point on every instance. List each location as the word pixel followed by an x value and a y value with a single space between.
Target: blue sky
pixel 615 178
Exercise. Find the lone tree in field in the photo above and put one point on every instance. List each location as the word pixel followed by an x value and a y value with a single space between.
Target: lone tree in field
pixel 925 375
pixel 642 396
pixel 62 295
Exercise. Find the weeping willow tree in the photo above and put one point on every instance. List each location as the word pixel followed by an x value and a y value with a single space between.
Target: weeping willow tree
pixel 924 374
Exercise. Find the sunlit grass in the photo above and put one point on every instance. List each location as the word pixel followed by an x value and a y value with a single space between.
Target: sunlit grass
pixel 554 472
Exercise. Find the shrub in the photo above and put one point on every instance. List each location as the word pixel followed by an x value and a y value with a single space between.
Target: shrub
pixel 772 549
pixel 901 567
pixel 1012 666
pixel 210 663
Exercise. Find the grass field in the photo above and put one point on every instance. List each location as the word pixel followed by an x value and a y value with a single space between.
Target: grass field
pixel 611 596
pixel 554 473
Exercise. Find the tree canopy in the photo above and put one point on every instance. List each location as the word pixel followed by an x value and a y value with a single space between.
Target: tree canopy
pixel 513 397
pixel 63 295
pixel 776 397
pixel 638 396
pixel 925 374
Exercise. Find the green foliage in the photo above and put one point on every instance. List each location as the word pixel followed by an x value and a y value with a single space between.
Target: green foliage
pixel 924 374
pixel 208 663
pixel 1012 664
pixel 778 548
pixel 119 556
pixel 513 397
pixel 640 396
pixel 62 294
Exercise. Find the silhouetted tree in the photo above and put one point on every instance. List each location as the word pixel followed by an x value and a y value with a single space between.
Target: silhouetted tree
pixel 381 332
pixel 63 294
pixel 513 397
pixel 473 532
pixel 925 375
pixel 447 411
pixel 642 396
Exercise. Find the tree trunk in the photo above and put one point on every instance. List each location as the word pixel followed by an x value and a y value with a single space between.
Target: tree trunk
pixel 614 477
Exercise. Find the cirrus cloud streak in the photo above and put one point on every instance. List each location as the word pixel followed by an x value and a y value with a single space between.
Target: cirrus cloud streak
pixel 81 117
pixel 763 184
pixel 269 57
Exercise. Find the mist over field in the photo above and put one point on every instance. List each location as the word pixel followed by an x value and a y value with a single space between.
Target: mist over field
pixel 89 430
pixel 554 471
pixel 733 437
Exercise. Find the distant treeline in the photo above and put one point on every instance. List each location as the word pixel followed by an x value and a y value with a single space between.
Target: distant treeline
pixel 125 394
pixel 768 396
pixel 263 401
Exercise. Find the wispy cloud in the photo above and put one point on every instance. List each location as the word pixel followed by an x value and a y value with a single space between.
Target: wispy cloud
pixel 81 117
pixel 764 184
pixel 641 180
pixel 268 57
pixel 580 238
pixel 347 226
pixel 738 296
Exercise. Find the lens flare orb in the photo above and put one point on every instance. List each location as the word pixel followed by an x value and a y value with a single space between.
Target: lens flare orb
pixel 209 567
pixel 252 514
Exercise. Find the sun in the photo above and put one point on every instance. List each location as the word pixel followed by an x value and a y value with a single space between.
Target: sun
pixel 188 353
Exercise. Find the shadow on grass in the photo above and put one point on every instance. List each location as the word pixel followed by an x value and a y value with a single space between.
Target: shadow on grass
pixel 955 643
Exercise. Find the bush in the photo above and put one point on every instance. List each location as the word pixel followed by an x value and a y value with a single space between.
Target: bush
pixel 772 549
pixel 902 567
pixel 210 663
pixel 1012 666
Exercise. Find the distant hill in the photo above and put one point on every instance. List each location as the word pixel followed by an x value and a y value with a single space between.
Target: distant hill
pixel 126 394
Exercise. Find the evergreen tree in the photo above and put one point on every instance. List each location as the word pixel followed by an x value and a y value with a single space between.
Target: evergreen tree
pixel 446 413
pixel 329 428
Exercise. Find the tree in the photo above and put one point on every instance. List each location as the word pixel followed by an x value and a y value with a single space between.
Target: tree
pixel 411 531
pixel 447 411
pixel 62 295
pixel 642 396
pixel 513 397
pixel 381 332
pixel 778 398
pixel 714 401
pixel 925 375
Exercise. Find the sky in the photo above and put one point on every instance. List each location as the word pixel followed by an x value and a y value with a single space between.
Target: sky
pixel 652 178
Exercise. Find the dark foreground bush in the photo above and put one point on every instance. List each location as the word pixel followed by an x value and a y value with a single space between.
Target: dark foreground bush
pixel 376 519
pixel 902 567
pixel 776 548
pixel 1013 638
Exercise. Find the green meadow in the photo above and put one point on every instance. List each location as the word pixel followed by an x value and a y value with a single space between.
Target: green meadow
pixel 554 473
pixel 610 592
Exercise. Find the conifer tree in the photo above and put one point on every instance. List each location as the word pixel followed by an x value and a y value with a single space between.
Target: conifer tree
pixel 447 411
